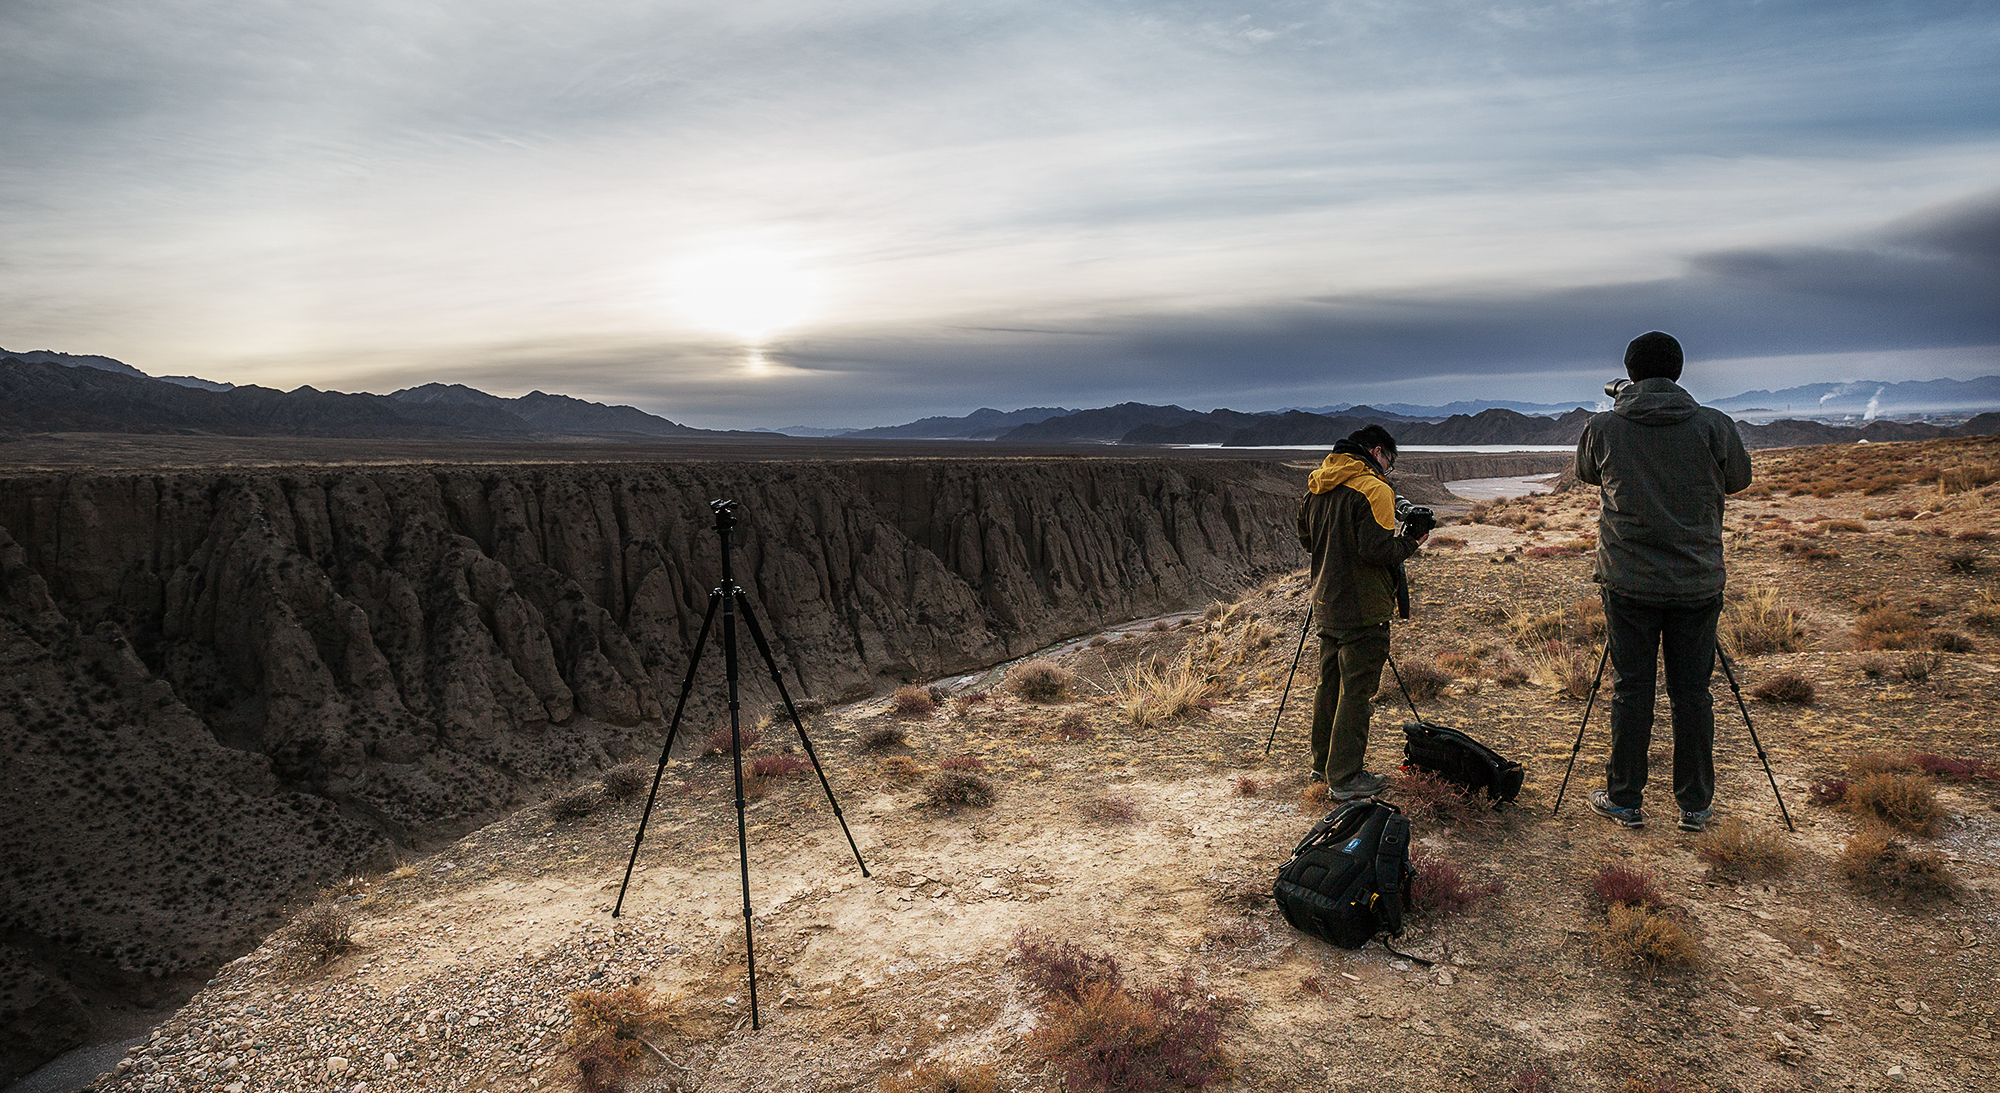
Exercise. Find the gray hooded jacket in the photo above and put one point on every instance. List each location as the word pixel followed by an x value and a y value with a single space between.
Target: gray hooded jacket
pixel 1663 463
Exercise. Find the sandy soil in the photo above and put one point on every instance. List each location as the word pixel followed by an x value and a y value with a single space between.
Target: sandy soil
pixel 1157 845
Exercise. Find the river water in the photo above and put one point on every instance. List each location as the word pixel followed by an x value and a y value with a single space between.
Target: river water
pixel 1493 489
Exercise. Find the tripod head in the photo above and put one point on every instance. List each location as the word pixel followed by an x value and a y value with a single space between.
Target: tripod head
pixel 725 516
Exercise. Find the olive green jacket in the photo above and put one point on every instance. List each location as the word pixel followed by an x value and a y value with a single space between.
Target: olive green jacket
pixel 1347 522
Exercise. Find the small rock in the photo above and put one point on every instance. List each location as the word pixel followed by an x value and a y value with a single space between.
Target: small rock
pixel 1445 977
pixel 1895 1072
pixel 1906 1005
pixel 336 1065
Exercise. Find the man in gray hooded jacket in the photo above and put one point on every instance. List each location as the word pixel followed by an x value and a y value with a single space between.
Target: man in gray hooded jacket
pixel 1662 463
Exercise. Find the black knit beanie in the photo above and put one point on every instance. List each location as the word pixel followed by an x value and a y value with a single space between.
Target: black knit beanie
pixel 1653 355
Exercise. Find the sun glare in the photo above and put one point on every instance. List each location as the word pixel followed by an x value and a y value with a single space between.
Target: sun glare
pixel 748 292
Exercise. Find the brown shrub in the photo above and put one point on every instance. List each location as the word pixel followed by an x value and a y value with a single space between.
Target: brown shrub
pixel 722 736
pixel 1111 1038
pixel 944 1078
pixel 1916 666
pixel 1951 641
pixel 913 701
pixel 1063 969
pixel 1422 676
pixel 953 790
pixel 1246 786
pixel 1645 939
pixel 1906 802
pixel 1984 617
pixel 902 768
pixel 1844 525
pixel 1786 687
pixel 1974 535
pixel 314 938
pixel 1874 862
pixel 1074 726
pixel 624 781
pixel 1967 560
pixel 1431 799
pixel 575 802
pixel 884 737
pixel 1735 846
pixel 1885 627
pixel 779 766
pixel 962 761
pixel 1108 810
pixel 1041 681
pixel 1439 890
pixel 1615 884
pixel 607 1038
pixel 1828 792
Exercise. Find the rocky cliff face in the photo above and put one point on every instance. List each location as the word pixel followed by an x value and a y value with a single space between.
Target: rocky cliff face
pixel 222 688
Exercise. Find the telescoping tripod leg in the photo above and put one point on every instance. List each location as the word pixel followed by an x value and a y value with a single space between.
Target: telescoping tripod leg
pixel 1730 672
pixel 1287 693
pixel 674 727
pixel 1587 704
pixel 777 677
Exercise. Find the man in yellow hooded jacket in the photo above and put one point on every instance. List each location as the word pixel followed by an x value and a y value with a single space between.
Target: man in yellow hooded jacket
pixel 1348 523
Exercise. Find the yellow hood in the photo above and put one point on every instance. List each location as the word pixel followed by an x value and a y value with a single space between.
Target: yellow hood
pixel 1339 470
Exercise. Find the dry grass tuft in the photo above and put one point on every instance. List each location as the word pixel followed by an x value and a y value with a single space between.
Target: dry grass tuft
pixel 1906 802
pixel 1246 786
pixel 913 701
pixel 1645 939
pixel 1439 890
pixel 884 737
pixel 1562 668
pixel 945 1077
pixel 575 803
pixel 902 769
pixel 1315 795
pixel 1916 666
pixel 1153 694
pixel 962 761
pixel 1041 681
pixel 624 781
pixel 1786 687
pixel 950 791
pixel 1735 846
pixel 1874 862
pixel 1758 624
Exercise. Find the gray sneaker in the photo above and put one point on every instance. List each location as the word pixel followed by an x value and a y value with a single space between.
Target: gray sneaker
pixel 1600 803
pixel 1360 784
pixel 1695 821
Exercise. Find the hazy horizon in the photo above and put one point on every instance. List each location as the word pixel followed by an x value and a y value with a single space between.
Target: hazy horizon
pixel 876 212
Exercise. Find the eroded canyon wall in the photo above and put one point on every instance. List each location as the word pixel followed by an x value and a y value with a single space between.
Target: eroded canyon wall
pixel 224 687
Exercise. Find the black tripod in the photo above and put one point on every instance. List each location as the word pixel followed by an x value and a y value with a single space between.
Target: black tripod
pixel 729 597
pixel 1727 670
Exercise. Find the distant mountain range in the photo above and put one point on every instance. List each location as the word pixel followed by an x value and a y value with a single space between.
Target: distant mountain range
pixel 43 391
pixel 47 391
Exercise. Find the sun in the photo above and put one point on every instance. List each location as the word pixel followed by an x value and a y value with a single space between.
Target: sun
pixel 748 292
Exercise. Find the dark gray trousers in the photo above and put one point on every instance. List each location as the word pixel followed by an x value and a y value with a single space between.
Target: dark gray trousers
pixel 1684 634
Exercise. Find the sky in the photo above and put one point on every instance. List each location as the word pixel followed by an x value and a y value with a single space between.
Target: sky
pixel 752 213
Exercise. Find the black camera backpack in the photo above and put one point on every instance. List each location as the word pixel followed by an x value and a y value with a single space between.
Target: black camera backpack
pixel 1460 760
pixel 1350 877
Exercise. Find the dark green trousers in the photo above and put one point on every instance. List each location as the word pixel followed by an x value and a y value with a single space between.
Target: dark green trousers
pixel 1350 671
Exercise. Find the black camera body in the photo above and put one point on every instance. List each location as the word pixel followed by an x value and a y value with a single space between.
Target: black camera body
pixel 1417 520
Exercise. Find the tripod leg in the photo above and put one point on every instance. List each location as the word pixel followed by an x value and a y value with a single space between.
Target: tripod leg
pixel 1287 693
pixel 687 685
pixel 736 756
pixel 1405 688
pixel 1730 672
pixel 777 677
pixel 1587 704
